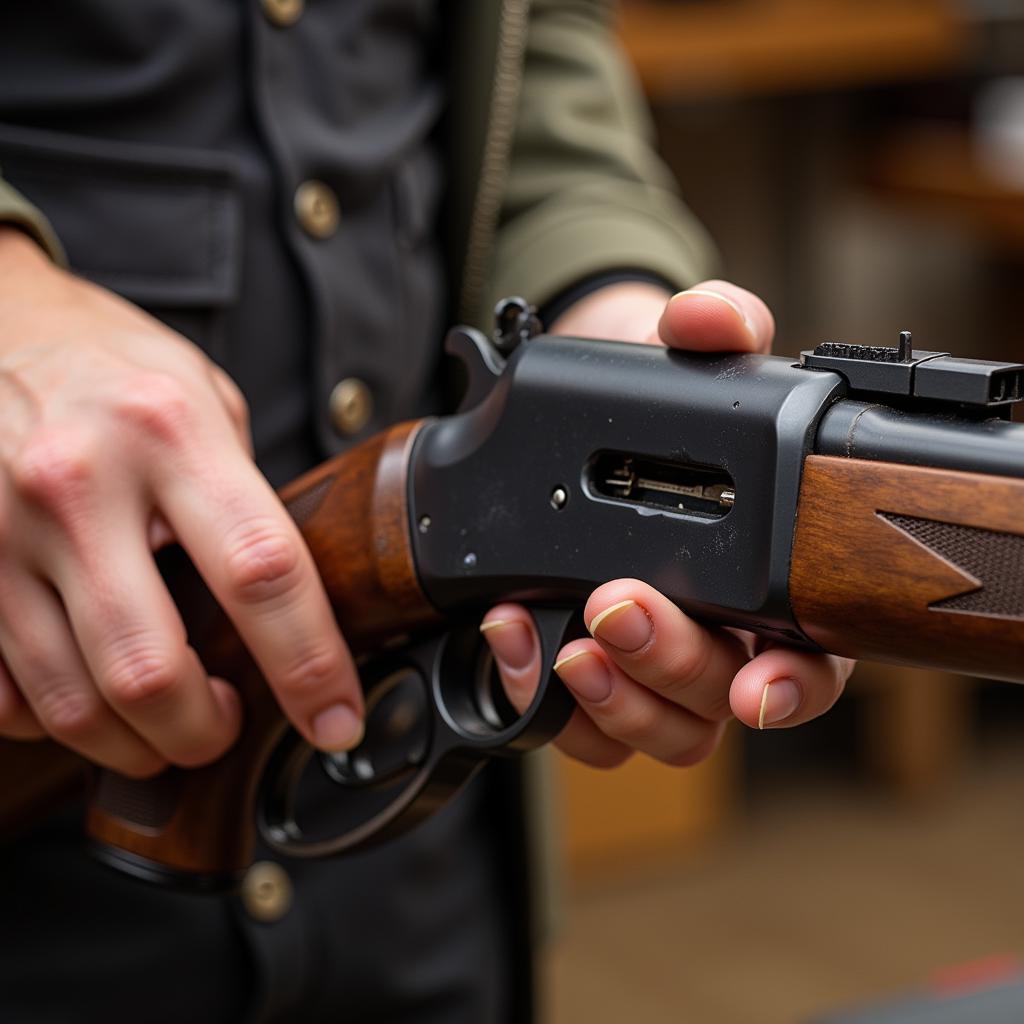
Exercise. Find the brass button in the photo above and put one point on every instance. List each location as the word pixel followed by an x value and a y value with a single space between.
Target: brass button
pixel 283 13
pixel 266 892
pixel 351 406
pixel 316 207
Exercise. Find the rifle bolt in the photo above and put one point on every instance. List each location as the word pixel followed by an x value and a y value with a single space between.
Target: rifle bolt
pixel 559 496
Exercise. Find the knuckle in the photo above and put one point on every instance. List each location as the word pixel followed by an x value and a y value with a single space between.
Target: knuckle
pixel 140 677
pixel 311 674
pixel 685 667
pixel 54 469
pixel 263 563
pixel 69 714
pixel 160 406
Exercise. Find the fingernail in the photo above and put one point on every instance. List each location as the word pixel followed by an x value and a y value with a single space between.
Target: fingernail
pixel 707 293
pixel 338 728
pixel 510 641
pixel 624 625
pixel 779 700
pixel 586 675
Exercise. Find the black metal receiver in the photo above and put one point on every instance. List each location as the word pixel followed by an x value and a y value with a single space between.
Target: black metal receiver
pixel 573 462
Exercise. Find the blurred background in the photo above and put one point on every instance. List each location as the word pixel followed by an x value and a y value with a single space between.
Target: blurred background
pixel 861 165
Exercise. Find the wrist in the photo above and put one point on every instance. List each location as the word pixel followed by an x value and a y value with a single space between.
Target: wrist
pixel 18 250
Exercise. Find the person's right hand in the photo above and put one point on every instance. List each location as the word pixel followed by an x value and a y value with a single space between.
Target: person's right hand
pixel 116 436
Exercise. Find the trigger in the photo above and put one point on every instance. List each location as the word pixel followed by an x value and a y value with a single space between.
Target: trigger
pixel 396 738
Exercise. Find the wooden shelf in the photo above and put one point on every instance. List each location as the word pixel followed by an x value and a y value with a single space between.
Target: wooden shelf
pixel 936 169
pixel 715 47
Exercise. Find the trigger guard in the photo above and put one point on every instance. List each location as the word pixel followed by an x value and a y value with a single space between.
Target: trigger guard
pixel 465 725
pixel 460 735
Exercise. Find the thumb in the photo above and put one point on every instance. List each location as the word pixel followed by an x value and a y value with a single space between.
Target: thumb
pixel 716 316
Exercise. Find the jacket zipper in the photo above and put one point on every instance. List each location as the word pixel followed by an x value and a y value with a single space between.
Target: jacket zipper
pixel 497 146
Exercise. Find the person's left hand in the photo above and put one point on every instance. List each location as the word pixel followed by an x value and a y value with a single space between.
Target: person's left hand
pixel 651 678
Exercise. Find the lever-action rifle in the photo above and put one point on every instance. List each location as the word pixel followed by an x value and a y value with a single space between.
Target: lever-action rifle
pixel 866 501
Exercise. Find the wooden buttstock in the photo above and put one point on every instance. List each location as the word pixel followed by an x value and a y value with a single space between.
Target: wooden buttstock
pixel 909 564
pixel 352 512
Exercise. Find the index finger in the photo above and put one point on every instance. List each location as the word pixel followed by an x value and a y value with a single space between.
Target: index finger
pixel 255 562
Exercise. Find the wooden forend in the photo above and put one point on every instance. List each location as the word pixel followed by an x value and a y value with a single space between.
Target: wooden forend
pixel 911 564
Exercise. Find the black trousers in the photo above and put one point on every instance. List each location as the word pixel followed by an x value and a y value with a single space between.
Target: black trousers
pixel 425 929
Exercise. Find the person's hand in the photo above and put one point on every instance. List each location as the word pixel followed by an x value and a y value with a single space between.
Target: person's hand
pixel 651 678
pixel 117 436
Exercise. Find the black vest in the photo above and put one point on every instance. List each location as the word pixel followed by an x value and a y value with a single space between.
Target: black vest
pixel 267 186
pixel 168 142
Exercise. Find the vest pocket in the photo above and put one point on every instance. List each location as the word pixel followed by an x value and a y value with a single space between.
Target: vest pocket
pixel 160 226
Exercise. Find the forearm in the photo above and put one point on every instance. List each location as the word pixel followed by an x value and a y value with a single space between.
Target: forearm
pixel 586 192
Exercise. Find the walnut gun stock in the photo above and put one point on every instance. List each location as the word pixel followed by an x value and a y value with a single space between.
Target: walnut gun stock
pixel 865 501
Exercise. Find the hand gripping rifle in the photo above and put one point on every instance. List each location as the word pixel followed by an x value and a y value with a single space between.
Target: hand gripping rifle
pixel 866 501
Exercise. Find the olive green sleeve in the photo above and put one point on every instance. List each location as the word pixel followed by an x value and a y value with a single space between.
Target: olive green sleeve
pixel 17 210
pixel 586 192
